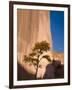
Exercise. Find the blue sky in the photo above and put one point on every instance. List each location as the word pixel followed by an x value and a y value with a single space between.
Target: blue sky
pixel 57 30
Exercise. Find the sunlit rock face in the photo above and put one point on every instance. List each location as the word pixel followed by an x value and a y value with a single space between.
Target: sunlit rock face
pixel 58 56
pixel 33 26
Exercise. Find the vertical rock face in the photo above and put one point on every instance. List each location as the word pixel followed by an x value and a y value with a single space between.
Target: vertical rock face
pixel 33 26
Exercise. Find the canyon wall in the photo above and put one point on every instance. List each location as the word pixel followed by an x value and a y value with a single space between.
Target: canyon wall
pixel 33 26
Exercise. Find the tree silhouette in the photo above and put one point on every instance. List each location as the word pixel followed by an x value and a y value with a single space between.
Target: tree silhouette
pixel 37 50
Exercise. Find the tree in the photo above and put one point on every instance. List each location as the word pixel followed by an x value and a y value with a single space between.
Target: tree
pixel 38 50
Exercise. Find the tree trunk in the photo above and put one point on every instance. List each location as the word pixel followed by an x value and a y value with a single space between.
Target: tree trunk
pixel 36 71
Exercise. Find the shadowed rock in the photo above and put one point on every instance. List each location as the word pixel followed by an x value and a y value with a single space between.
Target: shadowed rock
pixel 54 70
pixel 23 74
